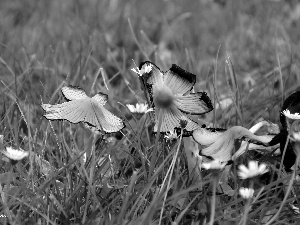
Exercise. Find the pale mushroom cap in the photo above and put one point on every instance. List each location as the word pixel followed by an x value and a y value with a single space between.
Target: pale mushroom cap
pixel 82 108
pixel 170 92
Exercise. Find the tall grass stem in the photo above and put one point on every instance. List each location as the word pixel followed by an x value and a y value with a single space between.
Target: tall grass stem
pixel 213 200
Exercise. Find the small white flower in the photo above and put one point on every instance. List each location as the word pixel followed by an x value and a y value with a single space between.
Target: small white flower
pixel 288 114
pixel 171 135
pixel 246 193
pixel 253 170
pixel 146 68
pixel 15 154
pixel 214 165
pixel 139 108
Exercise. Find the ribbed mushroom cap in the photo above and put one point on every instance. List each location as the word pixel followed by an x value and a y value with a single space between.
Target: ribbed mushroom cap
pixel 222 147
pixel 170 94
pixel 82 108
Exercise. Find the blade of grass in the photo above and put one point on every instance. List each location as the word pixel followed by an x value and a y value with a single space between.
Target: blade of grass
pixel 128 194
pixel 169 173
pixel 156 145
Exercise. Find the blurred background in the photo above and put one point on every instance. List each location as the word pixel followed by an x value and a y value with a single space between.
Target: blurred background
pixel 44 43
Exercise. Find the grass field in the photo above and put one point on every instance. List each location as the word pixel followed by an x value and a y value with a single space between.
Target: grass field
pixel 245 55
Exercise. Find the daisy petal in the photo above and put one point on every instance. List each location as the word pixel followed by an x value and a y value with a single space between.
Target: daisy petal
pixel 194 103
pixel 101 98
pixel 243 169
pixel 131 108
pixel 242 175
pixel 262 168
pixel 138 108
pixel 253 165
pixel 253 170
pixel 243 172
pixel 153 76
pixel 73 93
pixel 179 80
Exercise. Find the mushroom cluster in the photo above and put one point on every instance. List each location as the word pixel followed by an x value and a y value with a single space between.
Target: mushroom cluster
pixel 173 102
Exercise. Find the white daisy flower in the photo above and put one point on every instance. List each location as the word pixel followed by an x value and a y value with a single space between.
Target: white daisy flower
pixel 139 108
pixel 253 170
pixel 15 154
pixel 214 165
pixel 246 193
pixel 288 114
pixel 146 68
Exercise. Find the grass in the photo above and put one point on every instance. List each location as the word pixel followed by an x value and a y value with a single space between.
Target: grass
pixel 48 44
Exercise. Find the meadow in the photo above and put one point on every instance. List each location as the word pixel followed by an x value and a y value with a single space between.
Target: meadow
pixel 245 55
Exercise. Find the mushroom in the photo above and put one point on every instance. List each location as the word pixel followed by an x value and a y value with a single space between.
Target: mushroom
pixel 82 108
pixel 170 94
pixel 289 111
